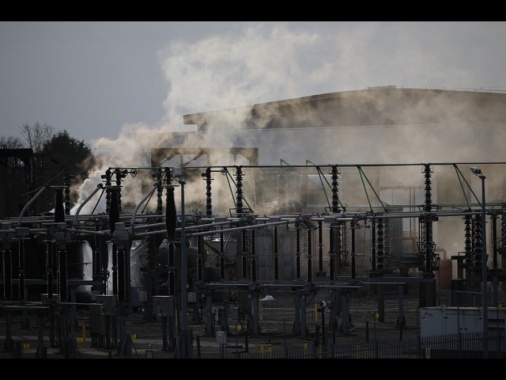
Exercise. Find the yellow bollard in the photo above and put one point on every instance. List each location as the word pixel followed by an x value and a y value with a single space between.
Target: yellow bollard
pixel 306 349
pixel 270 351
pixel 262 350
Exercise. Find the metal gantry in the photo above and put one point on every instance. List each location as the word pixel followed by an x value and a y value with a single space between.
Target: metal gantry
pixel 223 250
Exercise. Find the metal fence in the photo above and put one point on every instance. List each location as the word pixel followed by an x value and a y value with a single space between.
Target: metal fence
pixel 455 346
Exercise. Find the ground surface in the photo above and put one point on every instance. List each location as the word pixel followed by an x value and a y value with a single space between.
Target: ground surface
pixel 150 340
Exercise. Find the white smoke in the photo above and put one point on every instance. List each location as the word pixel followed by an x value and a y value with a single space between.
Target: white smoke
pixel 264 62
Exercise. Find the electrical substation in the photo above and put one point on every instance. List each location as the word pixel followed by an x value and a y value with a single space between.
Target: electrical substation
pixel 311 202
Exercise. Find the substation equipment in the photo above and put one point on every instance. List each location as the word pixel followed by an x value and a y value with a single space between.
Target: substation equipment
pixel 217 239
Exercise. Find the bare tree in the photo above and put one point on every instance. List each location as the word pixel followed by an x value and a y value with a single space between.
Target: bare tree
pixel 11 143
pixel 37 136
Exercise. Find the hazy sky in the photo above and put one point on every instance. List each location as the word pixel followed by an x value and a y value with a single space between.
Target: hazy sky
pixel 97 79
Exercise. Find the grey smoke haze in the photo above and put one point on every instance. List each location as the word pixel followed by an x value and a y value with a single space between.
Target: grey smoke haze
pixel 262 62
pixel 97 79
pixel 108 82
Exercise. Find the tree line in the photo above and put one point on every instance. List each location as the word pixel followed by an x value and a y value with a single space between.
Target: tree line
pixel 41 157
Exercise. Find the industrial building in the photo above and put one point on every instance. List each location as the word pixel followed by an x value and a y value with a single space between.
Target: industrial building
pixel 314 199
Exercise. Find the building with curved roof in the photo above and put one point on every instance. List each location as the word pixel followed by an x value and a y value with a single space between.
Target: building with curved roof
pixel 375 125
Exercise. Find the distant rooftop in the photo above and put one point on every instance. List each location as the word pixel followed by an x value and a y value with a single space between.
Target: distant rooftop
pixel 384 105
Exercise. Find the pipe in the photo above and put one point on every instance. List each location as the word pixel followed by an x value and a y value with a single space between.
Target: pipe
pixel 29 203
pixel 149 194
pixel 238 228
pixel 99 186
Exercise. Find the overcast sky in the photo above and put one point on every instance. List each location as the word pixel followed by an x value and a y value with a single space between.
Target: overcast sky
pixel 97 79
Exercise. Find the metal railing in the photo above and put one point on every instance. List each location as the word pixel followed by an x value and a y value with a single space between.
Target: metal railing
pixel 454 346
